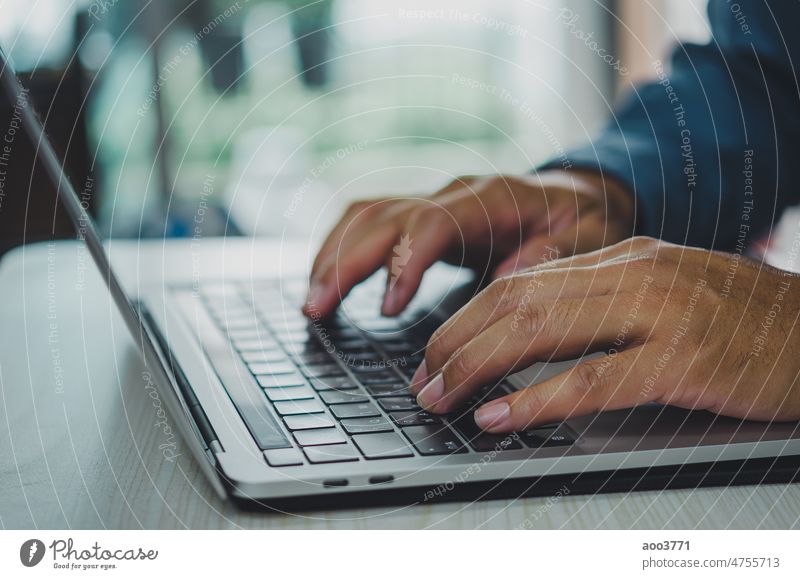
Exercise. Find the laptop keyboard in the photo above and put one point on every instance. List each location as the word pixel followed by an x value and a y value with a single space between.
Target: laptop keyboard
pixel 336 390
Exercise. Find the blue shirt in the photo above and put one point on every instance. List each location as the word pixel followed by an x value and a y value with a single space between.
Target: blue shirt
pixel 711 148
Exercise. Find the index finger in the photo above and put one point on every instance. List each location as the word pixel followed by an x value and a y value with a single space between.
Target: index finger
pixel 512 295
pixel 348 265
pixel 554 331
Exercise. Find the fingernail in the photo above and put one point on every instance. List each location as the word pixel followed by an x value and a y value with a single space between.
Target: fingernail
pixel 432 393
pixel 315 294
pixel 492 416
pixel 419 378
pixel 503 270
pixel 390 302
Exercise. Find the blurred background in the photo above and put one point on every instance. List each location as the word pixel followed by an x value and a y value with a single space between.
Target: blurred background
pixel 266 117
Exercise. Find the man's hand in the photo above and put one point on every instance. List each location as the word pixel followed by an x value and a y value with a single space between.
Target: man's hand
pixel 681 326
pixel 504 222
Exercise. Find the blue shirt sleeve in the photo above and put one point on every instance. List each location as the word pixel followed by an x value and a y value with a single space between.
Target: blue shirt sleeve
pixel 711 147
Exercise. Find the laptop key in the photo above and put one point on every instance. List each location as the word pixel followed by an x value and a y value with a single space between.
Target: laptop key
pixel 228 309
pixel 263 356
pixel 381 324
pixel 251 334
pixel 289 325
pixel 394 345
pixel 378 369
pixel 351 345
pixel 348 338
pixel 483 441
pixel 364 425
pixel 488 393
pixel 364 358
pixel 389 389
pixel 547 437
pixel 310 357
pixel 307 348
pixel 322 370
pixel 411 418
pixel 434 439
pixel 281 381
pixel 486 442
pixel 408 370
pixel 272 308
pixel 291 393
pixel 355 410
pixel 333 383
pixel 283 457
pixel 331 453
pixel 306 406
pixel 284 320
pixel 383 336
pixel 244 323
pixel 294 338
pixel 398 403
pixel 308 421
pixel 383 445
pixel 319 436
pixel 257 345
pixel 342 397
pixel 271 368
pixel 379 377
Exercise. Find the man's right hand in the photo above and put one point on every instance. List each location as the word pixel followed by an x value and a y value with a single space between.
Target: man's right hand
pixel 505 223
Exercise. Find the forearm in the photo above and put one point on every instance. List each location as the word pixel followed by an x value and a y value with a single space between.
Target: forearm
pixel 620 202
pixel 707 151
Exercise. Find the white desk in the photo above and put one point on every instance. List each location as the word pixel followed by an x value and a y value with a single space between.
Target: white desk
pixel 79 447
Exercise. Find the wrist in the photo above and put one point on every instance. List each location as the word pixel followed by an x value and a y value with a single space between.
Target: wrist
pixel 620 203
pixel 618 199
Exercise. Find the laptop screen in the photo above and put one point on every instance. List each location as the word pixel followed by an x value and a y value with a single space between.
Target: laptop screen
pixel 78 216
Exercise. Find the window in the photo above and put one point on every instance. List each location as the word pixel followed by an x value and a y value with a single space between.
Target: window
pixel 396 97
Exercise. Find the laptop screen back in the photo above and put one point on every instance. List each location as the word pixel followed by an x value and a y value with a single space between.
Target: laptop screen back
pixel 78 216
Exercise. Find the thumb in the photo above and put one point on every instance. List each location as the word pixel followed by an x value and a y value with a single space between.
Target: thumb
pixel 594 385
pixel 589 235
pixel 538 250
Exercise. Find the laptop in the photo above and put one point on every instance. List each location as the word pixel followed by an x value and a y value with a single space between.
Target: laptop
pixel 287 413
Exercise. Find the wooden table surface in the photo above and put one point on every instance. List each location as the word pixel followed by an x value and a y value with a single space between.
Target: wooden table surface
pixel 79 443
